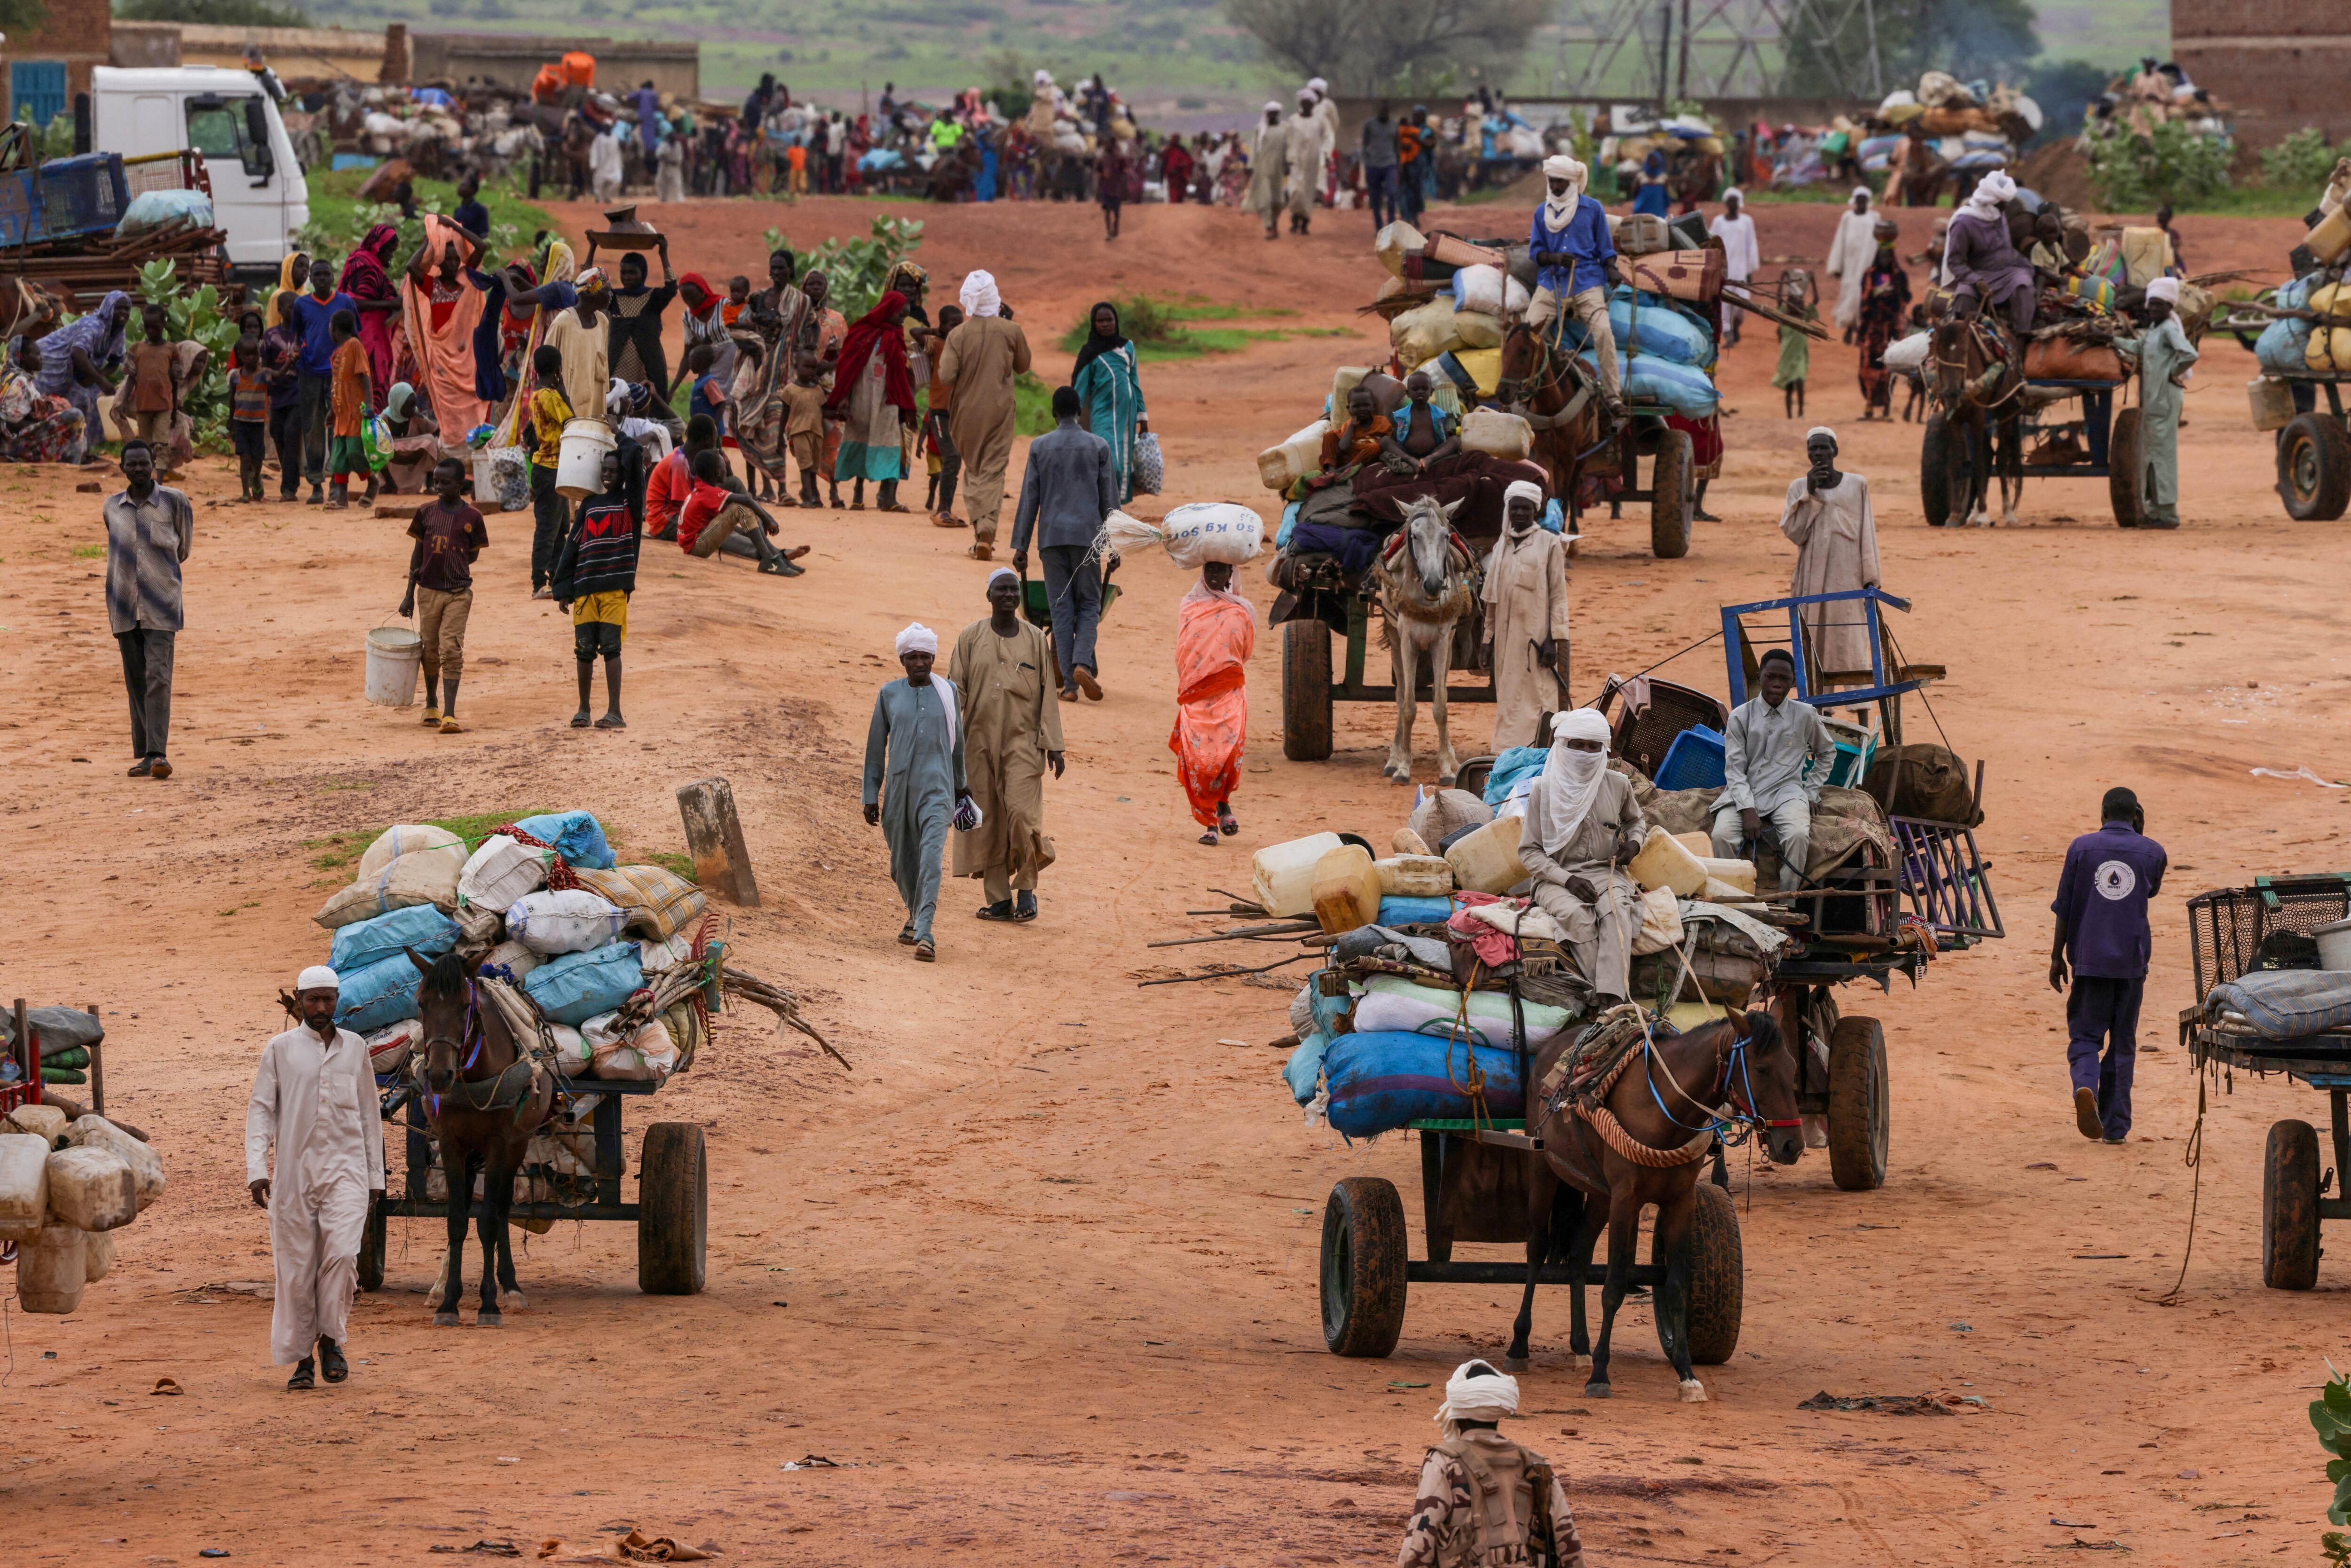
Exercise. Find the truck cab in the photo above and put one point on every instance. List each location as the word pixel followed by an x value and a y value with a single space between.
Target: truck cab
pixel 259 195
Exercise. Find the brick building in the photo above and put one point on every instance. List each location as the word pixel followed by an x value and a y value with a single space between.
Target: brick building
pixel 46 70
pixel 2279 64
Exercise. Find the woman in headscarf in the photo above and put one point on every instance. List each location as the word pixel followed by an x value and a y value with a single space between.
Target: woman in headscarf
pixel 706 323
pixel 1583 826
pixel 36 426
pixel 756 411
pixel 1795 362
pixel 982 360
pixel 1885 302
pixel 873 394
pixel 636 352
pixel 1652 195
pixel 1526 618
pixel 1105 377
pixel 1215 631
pixel 366 278
pixel 293 274
pixel 77 359
pixel 444 303
pixel 415 440
pixel 531 309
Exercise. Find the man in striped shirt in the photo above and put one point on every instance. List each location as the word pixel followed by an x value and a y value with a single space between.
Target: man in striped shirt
pixel 149 531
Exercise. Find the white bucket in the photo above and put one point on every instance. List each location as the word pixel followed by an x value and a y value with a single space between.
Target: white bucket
pixel 394 653
pixel 579 471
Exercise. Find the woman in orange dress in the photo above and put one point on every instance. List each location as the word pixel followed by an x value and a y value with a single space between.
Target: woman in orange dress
pixel 1215 631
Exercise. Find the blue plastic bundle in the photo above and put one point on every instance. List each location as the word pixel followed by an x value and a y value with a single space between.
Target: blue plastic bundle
pixel 1661 327
pixel 577 837
pixel 1516 765
pixel 1382 1081
pixel 2285 343
pixel 1682 389
pixel 577 986
pixel 1303 1073
pixel 1415 911
pixel 367 942
pixel 382 993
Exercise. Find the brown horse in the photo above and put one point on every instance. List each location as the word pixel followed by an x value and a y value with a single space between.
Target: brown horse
pixel 1668 1105
pixel 1550 389
pixel 486 1098
pixel 1976 377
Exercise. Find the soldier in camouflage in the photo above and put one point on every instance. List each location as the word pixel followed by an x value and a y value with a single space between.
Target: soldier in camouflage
pixel 1485 1501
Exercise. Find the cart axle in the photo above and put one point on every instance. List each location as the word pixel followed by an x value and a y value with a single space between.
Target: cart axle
pixel 1423 1273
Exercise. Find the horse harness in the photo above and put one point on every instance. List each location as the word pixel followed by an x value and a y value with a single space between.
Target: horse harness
pixel 1580 1081
pixel 512 1089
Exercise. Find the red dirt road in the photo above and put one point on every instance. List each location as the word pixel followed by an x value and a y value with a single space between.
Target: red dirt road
pixel 1039 1278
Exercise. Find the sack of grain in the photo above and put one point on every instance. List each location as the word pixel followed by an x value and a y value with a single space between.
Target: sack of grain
pixel 425 876
pixel 1194 534
pixel 571 1057
pixel 500 872
pixel 1478 289
pixel 642 1055
pixel 656 902
pixel 93 1188
pixel 378 995
pixel 1422 333
pixel 146 1165
pixel 511 957
pixel 578 986
pixel 421 928
pixel 659 957
pixel 410 838
pixel 569 920
pixel 388 1047
pixel 24 1185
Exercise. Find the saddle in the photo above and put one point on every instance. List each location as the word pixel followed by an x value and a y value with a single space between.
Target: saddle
pixel 1592 1063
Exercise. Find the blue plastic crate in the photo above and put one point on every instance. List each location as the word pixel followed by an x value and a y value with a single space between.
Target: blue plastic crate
pixel 83 195
pixel 21 217
pixel 1694 761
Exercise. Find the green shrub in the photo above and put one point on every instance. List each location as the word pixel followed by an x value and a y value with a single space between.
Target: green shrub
pixel 2301 161
pixel 854 268
pixel 2134 171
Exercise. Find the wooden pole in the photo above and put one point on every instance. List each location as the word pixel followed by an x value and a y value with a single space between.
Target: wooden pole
pixel 24 1053
pixel 713 837
pixel 97 1065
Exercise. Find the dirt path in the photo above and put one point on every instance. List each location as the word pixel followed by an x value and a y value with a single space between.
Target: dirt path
pixel 1039 1276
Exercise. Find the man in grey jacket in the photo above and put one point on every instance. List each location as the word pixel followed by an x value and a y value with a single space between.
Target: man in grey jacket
pixel 149 531
pixel 1067 491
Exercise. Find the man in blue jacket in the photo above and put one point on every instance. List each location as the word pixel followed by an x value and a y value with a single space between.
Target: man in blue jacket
pixel 2101 909
pixel 1576 265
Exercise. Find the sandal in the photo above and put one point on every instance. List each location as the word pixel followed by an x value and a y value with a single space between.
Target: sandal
pixel 305 1375
pixel 1226 823
pixel 924 953
pixel 1209 838
pixel 906 935
pixel 894 506
pixel 612 721
pixel 449 725
pixel 580 719
pixel 431 716
pixel 997 911
pixel 945 520
pixel 331 1364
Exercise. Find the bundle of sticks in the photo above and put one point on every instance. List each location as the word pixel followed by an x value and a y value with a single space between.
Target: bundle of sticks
pixel 778 1001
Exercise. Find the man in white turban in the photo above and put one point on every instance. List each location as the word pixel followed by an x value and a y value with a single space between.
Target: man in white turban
pixel 915 782
pixel 1850 256
pixel 1484 1499
pixel 1268 169
pixel 1980 264
pixel 983 359
pixel 1742 253
pixel 314 1100
pixel 1582 827
pixel 1526 618
pixel 1311 138
pixel 1002 670
pixel 2165 356
pixel 1575 262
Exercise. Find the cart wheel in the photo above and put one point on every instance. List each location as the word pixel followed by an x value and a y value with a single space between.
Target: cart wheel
pixel 2314 468
pixel 672 1210
pixel 372 1241
pixel 1717 1276
pixel 1935 471
pixel 1306 690
pixel 2123 477
pixel 1362 1267
pixel 1670 488
pixel 2290 1208
pixel 1857 1104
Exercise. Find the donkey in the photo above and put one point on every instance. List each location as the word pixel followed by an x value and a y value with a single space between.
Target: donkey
pixel 1427 582
pixel 484 1098
pixel 1664 1106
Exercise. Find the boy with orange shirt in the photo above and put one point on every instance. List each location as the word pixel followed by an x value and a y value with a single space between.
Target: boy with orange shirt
pixel 354 392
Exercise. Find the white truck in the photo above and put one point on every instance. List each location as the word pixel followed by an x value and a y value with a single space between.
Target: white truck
pixel 259 197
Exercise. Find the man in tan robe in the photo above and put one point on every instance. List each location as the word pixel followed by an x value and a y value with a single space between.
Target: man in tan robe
pixel 1012 733
pixel 1828 516
pixel 1268 170
pixel 982 357
pixel 1526 619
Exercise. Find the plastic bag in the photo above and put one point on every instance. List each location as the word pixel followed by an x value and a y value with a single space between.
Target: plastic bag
pixel 375 439
pixel 365 942
pixel 577 836
pixel 408 838
pixel 151 210
pixel 425 876
pixel 382 993
pixel 1150 465
pixel 577 986
pixel 642 1055
pixel 502 871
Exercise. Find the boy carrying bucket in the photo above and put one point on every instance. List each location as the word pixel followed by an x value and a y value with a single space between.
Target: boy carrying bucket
pixel 550 410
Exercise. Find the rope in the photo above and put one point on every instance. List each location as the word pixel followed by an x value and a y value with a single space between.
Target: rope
pixel 2195 1161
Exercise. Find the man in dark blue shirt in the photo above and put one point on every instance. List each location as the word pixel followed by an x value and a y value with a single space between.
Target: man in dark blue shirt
pixel 1575 264
pixel 313 382
pixel 2101 909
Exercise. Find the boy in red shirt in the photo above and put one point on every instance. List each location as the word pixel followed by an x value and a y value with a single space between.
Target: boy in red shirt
pixel 718 517
pixel 449 538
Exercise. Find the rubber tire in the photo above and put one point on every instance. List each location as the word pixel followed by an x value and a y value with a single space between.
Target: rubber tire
pixel 2290 1208
pixel 2122 469
pixel 1671 487
pixel 1935 471
pixel 1717 1276
pixel 2329 450
pixel 372 1247
pixel 1858 1104
pixel 1363 1272
pixel 672 1210
pixel 1306 690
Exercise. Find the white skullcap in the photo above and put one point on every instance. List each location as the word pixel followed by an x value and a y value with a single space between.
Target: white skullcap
pixel 979 296
pixel 1317 84
pixel 2164 289
pixel 1518 487
pixel 318 978
pixel 1305 94
pixel 918 638
pixel 1862 191
pixel 1476 1392
pixel 1733 193
pixel 1820 430
pixel 1000 571
pixel 1272 107
pixel 1996 186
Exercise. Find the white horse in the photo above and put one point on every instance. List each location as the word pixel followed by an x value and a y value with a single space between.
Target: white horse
pixel 1428 581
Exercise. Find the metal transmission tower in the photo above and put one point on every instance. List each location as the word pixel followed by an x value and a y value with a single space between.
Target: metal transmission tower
pixel 1664 50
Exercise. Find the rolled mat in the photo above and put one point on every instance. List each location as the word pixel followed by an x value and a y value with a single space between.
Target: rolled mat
pixel 1382 1080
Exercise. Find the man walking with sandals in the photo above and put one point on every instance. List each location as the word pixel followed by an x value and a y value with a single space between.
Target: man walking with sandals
pixel 1483 1499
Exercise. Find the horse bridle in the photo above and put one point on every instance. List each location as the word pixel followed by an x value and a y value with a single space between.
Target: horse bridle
pixel 1741 1096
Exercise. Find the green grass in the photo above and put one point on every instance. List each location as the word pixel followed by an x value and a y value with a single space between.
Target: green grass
pixel 1157 328
pixel 335 207
pixel 676 865
pixel 88 552
pixel 2251 200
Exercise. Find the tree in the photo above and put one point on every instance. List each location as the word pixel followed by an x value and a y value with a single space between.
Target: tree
pixel 1828 43
pixel 1370 47
pixel 213 13
pixel 22 18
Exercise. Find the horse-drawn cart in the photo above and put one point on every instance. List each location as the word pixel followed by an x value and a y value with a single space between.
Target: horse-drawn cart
pixel 1325 600
pixel 1960 458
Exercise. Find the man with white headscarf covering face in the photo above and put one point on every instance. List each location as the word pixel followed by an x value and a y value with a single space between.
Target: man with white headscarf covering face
pixel 1575 262
pixel 984 357
pixel 1003 670
pixel 1980 264
pixel 314 1102
pixel 1484 1499
pixel 1268 162
pixel 1742 253
pixel 2165 356
pixel 1526 618
pixel 1583 826
pixel 914 783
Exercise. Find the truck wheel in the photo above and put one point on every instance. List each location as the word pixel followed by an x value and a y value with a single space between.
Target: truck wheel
pixel 672 1210
pixel 2314 468
pixel 1857 1104
pixel 1670 489
pixel 371 1245
pixel 2123 477
pixel 2290 1208
pixel 1935 471
pixel 1306 690
pixel 1717 1276
pixel 1363 1267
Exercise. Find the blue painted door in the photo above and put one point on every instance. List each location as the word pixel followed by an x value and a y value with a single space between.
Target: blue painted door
pixel 37 89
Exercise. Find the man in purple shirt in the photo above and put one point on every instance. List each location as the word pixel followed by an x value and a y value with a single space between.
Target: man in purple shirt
pixel 2101 909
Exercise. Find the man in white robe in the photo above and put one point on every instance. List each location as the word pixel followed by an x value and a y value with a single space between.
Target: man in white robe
pixel 1742 253
pixel 1828 519
pixel 1526 619
pixel 314 1099
pixel 1850 256
pixel 1309 149
pixel 1268 169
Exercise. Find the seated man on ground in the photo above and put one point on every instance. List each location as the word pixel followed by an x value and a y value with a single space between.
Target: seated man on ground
pixel 719 517
pixel 1776 755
